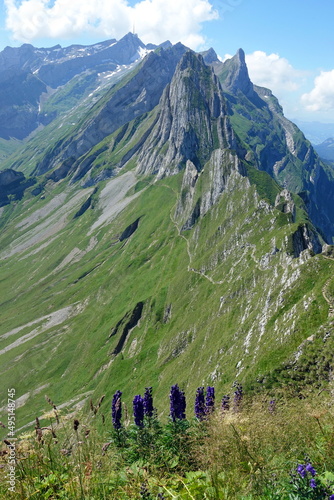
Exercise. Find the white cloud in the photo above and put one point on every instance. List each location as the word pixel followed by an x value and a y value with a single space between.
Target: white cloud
pixel 154 20
pixel 321 97
pixel 226 56
pixel 273 72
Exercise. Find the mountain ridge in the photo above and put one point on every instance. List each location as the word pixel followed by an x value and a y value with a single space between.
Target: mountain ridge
pixel 326 149
pixel 42 70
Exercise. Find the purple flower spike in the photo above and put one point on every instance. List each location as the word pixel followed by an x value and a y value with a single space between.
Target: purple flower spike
pixel 148 402
pixel 238 395
pixel 313 483
pixel 310 469
pixel 138 410
pixel 177 403
pixel 116 410
pixel 301 470
pixel 200 404
pixel 210 399
pixel 225 403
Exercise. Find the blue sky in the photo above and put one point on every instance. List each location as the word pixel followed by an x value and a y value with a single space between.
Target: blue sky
pixel 289 44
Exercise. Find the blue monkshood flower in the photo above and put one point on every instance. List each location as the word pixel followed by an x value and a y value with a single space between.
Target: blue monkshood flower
pixel 116 410
pixel 210 399
pixel 138 410
pixel 177 403
pixel 313 483
pixel 200 404
pixel 148 402
pixel 310 469
pixel 301 470
pixel 331 497
pixel 225 403
pixel 238 395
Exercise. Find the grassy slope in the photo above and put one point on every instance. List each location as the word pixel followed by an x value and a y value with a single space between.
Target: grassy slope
pixel 240 305
pixel 237 310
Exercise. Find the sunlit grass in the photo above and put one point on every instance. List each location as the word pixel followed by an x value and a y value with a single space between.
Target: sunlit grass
pixel 247 452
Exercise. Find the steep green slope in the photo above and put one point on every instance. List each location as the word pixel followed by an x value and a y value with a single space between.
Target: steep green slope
pixel 86 313
pixel 68 107
pixel 189 265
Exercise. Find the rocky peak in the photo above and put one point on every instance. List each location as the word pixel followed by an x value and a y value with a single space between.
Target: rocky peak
pixel 127 49
pixel 191 123
pixel 236 75
pixel 165 45
pixel 210 56
pixel 17 57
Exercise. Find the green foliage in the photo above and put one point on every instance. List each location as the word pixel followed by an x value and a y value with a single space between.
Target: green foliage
pixel 312 367
pixel 68 96
pixel 202 290
pixel 239 455
pixel 8 147
pixel 266 186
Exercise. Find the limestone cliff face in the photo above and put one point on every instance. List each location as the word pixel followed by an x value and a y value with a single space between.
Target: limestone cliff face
pixel 299 168
pixel 192 122
pixel 193 133
pixel 237 78
pixel 9 177
pixel 305 239
pixel 196 201
pixel 276 145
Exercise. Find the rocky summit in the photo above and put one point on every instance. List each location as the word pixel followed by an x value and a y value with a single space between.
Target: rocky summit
pixel 161 222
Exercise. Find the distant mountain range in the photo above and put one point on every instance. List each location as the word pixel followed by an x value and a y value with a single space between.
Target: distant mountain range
pixel 316 132
pixel 29 75
pixel 326 149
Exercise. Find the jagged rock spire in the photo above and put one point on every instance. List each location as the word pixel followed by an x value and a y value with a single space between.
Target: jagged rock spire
pixel 192 122
pixel 237 77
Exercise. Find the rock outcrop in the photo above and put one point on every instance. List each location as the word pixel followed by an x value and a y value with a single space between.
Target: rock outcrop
pixel 12 183
pixel 192 122
pixel 305 239
pixel 237 77
pixel 285 203
pixel 276 145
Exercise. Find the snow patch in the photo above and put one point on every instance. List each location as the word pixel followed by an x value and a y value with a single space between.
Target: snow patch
pixel 142 52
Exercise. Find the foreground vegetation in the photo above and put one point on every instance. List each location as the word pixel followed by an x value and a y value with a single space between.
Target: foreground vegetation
pixel 227 448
